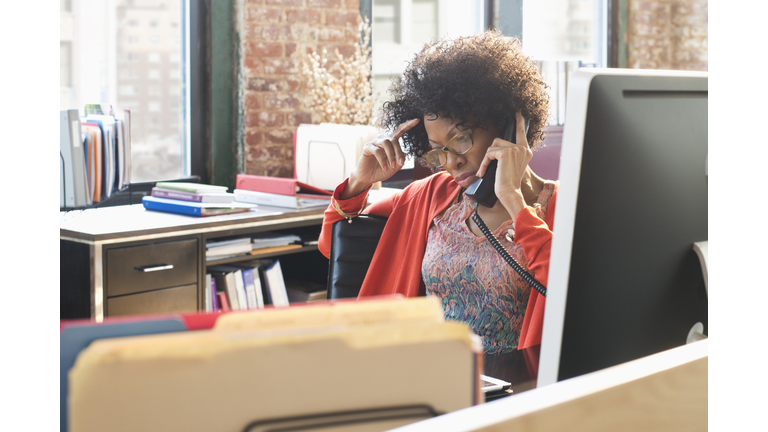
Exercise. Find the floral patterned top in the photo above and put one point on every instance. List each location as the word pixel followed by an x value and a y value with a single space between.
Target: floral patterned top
pixel 471 279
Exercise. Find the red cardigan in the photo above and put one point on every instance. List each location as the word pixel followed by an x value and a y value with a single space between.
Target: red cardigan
pixel 396 264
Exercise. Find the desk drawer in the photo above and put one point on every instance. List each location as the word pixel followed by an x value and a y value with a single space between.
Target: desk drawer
pixel 169 300
pixel 149 267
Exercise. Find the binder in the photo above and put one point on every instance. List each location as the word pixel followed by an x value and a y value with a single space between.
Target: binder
pixel 159 382
pixel 279 200
pixel 278 185
pixel 73 173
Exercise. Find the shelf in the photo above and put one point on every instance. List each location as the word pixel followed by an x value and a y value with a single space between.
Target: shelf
pixel 248 257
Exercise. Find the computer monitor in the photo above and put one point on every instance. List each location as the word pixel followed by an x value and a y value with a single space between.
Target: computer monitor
pixel 624 280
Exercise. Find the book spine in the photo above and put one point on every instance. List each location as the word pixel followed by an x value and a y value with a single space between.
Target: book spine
pixel 169 207
pixel 208 304
pixel 214 296
pixel 223 302
pixel 179 195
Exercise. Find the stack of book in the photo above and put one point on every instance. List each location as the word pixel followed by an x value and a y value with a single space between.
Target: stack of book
pixel 279 192
pixel 272 242
pixel 195 199
pixel 245 285
pixel 227 248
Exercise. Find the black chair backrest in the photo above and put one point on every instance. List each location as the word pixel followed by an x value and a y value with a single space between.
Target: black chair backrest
pixel 353 243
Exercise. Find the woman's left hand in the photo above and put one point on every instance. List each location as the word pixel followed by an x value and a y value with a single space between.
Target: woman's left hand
pixel 513 161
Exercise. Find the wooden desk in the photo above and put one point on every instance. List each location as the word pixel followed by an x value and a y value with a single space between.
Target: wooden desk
pixel 101 248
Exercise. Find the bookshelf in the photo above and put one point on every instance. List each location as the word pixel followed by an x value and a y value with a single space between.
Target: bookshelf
pixel 108 256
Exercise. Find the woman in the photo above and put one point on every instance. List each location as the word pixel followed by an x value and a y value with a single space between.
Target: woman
pixel 450 110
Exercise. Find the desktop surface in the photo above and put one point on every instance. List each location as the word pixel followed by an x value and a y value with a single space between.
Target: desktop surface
pixel 125 221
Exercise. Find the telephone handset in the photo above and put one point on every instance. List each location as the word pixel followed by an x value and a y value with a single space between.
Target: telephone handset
pixel 482 189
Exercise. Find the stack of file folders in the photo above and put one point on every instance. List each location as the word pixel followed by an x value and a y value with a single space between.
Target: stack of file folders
pixel 359 365
pixel 95 154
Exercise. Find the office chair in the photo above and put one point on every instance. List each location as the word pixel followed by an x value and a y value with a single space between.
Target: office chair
pixel 353 243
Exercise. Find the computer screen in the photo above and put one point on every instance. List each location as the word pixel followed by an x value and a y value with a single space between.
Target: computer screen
pixel 624 280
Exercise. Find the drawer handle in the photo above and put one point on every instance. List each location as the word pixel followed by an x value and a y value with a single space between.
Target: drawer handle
pixel 154 267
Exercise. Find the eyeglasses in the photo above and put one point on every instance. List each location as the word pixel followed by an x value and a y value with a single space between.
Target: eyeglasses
pixel 457 145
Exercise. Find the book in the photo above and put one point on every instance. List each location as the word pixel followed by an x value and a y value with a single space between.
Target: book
pixel 214 294
pixel 242 296
pixel 217 249
pixel 191 187
pixel 255 300
pixel 278 200
pixel 275 284
pixel 224 305
pixel 235 286
pixel 272 239
pixel 109 152
pixel 94 161
pixel 207 296
pixel 278 185
pixel 225 279
pixel 192 208
pixel 207 197
pixel 74 183
pixel 125 117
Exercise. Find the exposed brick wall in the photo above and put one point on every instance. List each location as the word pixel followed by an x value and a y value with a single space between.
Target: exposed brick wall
pixel 274 37
pixel 667 34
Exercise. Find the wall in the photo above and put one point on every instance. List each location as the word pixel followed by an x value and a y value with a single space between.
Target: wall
pixel 274 36
pixel 667 34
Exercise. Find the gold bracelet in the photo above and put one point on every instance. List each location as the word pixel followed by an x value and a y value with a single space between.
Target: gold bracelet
pixel 347 216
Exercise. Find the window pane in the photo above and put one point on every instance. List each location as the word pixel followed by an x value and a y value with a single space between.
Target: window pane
pixel 559 29
pixel 126 53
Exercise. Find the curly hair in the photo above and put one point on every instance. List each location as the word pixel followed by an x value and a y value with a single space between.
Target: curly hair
pixel 481 80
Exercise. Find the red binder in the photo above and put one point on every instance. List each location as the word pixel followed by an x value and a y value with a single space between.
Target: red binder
pixel 278 185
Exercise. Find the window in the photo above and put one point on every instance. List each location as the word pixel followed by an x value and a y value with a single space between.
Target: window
pixel 136 77
pixel 65 61
pixel 386 21
pixel 401 27
pixel 128 57
pixel 128 73
pixel 128 90
pixel 424 20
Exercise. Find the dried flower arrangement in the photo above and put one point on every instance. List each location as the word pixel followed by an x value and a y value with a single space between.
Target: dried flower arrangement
pixel 345 96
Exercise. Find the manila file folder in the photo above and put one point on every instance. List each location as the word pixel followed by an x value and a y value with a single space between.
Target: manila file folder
pixel 230 380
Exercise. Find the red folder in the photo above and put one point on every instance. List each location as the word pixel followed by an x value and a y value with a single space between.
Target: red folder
pixel 277 185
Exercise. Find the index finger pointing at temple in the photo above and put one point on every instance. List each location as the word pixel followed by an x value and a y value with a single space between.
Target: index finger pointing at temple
pixel 404 127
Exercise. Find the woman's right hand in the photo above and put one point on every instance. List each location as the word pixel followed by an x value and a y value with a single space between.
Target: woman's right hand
pixel 380 160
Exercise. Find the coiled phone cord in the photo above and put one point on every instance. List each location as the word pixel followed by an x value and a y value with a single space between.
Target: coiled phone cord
pixel 507 257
